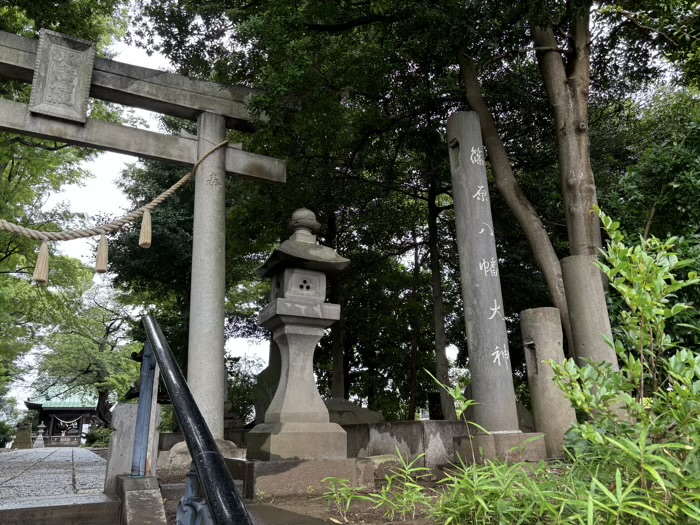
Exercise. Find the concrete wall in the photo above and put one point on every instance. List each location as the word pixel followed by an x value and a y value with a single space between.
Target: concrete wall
pixel 298 477
pixel 166 440
pixel 433 438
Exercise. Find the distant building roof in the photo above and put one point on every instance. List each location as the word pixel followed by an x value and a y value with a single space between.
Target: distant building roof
pixel 56 398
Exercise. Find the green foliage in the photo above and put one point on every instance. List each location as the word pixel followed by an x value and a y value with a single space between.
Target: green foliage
pixel 168 420
pixel 7 433
pixel 402 493
pixel 456 392
pixel 497 492
pixel 27 173
pixel 30 416
pixel 657 193
pixel 87 349
pixel 643 428
pixel 96 20
pixel 98 437
pixel 242 373
pixel 670 26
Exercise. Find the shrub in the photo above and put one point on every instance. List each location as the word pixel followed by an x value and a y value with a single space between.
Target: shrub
pixel 7 433
pixel 634 456
pixel 98 437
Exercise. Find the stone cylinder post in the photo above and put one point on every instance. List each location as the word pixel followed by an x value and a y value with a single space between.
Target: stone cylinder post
pixel 590 323
pixel 543 341
pixel 205 357
pixel 489 358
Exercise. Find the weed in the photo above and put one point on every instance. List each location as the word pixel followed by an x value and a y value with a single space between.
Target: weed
pixel 340 494
pixel 402 494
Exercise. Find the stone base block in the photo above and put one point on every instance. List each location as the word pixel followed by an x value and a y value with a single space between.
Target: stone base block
pixel 179 456
pixel 512 447
pixel 293 477
pixel 274 441
pixel 142 502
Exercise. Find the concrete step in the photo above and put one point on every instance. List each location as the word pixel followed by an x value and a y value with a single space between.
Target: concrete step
pixel 262 514
pixel 87 509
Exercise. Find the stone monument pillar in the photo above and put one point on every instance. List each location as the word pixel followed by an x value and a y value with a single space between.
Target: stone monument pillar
pixel 296 424
pixel 487 338
pixel 23 435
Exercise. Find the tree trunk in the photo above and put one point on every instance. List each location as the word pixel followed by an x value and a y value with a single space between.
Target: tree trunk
pixel 567 84
pixel 337 336
pixel 338 328
pixel 103 407
pixel 442 366
pixel 413 381
pixel 512 194
pixel 567 88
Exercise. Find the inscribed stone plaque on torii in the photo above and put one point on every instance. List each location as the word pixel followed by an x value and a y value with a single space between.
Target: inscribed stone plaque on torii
pixel 57 113
pixel 62 76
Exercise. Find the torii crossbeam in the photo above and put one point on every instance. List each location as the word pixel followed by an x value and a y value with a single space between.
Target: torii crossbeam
pixel 64 73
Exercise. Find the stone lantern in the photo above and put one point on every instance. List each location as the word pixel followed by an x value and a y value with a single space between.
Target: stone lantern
pixel 296 424
pixel 39 441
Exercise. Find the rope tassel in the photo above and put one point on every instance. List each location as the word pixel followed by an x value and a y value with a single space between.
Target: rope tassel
pixel 41 270
pixel 101 265
pixel 145 237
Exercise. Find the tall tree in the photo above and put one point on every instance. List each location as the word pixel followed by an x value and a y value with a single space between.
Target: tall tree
pixel 89 351
pixel 348 86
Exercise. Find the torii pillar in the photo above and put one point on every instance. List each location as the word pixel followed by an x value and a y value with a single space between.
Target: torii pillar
pixel 206 375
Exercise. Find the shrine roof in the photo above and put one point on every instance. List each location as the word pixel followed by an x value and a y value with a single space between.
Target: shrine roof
pixel 54 398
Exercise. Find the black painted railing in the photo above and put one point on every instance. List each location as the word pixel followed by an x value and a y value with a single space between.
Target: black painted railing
pixel 222 503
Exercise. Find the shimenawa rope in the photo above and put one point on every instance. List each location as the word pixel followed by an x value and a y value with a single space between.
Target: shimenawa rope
pixel 41 270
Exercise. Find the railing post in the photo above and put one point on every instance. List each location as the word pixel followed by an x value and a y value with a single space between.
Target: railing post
pixel 143 413
pixel 224 502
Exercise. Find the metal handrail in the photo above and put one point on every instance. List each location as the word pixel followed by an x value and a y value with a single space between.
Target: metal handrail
pixel 224 502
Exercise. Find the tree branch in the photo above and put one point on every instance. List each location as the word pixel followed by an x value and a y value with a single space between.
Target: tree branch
pixel 630 16
pixel 32 144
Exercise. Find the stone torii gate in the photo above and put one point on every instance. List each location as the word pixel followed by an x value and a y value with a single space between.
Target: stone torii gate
pixel 64 73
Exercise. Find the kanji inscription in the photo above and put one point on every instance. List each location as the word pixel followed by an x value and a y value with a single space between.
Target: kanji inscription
pixel 62 76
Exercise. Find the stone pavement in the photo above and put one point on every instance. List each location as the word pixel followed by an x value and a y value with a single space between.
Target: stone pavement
pixel 72 476
pixel 46 472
